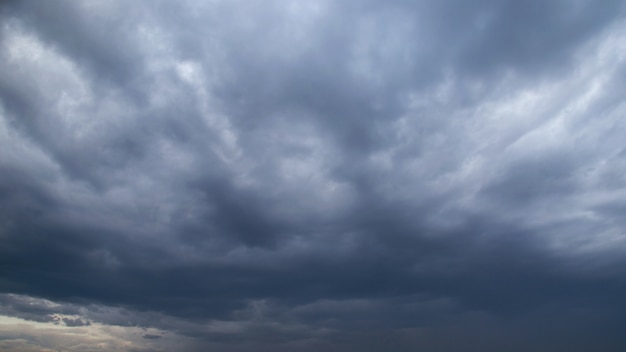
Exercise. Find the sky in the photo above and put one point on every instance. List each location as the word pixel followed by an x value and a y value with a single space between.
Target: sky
pixel 286 175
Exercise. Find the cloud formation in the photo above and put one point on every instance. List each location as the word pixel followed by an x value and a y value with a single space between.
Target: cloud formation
pixel 288 175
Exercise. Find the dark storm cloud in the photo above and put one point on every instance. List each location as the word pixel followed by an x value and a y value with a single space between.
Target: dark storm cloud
pixel 75 322
pixel 354 175
pixel 151 337
pixel 30 309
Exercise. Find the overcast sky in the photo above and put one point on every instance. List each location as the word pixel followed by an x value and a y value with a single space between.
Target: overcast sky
pixel 304 175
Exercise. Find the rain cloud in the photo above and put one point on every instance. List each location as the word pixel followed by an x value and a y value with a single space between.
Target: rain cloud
pixel 312 175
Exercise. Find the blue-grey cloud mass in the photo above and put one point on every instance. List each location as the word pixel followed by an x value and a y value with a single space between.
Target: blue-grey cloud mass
pixel 313 175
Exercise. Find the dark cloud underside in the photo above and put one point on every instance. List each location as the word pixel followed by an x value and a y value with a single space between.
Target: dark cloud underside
pixel 287 175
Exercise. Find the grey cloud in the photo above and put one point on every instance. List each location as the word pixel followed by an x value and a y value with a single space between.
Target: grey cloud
pixel 151 337
pixel 75 322
pixel 33 309
pixel 370 175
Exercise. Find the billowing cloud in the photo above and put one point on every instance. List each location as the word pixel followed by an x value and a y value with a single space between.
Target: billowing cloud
pixel 297 176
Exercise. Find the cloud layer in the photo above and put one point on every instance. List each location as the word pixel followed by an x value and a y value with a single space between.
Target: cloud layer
pixel 288 175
